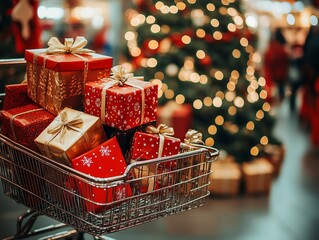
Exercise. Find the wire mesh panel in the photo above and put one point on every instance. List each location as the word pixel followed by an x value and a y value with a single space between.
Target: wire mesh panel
pixel 146 191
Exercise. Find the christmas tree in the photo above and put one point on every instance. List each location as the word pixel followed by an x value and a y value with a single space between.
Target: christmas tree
pixel 200 52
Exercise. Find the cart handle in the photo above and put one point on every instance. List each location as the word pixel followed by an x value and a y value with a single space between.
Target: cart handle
pixel 12 61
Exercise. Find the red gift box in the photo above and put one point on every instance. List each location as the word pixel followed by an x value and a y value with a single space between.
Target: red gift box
pixel 154 144
pixel 178 116
pixel 24 124
pixel 56 81
pixel 102 162
pixel 16 96
pixel 121 105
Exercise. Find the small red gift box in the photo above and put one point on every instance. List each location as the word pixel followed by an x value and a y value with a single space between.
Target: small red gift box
pixel 121 102
pixel 178 116
pixel 16 96
pixel 155 143
pixel 24 124
pixel 103 161
pixel 56 79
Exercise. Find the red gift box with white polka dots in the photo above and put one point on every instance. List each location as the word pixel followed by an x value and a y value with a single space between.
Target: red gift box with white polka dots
pixel 103 161
pixel 123 104
pixel 146 146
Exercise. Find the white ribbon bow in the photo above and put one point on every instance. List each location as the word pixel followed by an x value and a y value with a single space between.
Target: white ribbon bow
pixel 70 46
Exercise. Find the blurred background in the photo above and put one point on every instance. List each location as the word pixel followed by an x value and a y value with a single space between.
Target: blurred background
pixel 243 72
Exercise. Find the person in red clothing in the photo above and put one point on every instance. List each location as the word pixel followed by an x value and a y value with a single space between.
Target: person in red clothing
pixel 276 62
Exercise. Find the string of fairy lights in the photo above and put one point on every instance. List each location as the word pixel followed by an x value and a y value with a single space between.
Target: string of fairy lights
pixel 188 72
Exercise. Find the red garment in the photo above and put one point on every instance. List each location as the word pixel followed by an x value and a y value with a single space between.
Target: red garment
pixel 35 40
pixel 276 62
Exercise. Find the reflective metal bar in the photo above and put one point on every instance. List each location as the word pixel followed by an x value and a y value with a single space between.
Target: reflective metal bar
pixel 12 61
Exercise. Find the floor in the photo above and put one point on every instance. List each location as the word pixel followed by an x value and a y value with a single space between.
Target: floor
pixel 289 212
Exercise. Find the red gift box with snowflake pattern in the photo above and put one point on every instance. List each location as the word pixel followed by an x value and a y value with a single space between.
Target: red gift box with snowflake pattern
pixel 123 107
pixel 103 161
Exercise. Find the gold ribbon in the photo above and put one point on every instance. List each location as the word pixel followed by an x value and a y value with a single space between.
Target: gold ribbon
pixel 64 125
pixel 19 114
pixel 193 137
pixel 162 131
pixel 70 46
pixel 120 77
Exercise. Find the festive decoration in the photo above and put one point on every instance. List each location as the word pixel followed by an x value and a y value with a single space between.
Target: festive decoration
pixel 157 142
pixel 103 161
pixel 125 138
pixel 56 75
pixel 226 178
pixel 23 124
pixel 16 96
pixel 71 134
pixel 202 55
pixel 179 116
pixel 258 176
pixel 121 101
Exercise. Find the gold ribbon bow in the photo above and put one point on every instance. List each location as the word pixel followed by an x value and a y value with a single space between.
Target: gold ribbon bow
pixel 120 75
pixel 64 125
pixel 70 46
pixel 193 137
pixel 161 129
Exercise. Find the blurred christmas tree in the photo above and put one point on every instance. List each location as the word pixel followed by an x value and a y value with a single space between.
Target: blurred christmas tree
pixel 200 52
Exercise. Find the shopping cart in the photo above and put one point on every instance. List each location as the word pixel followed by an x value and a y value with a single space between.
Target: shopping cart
pixel 52 189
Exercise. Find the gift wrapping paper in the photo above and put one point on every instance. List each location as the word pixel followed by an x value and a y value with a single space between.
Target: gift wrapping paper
pixel 125 138
pixel 225 178
pixel 178 116
pixel 146 146
pixel 258 176
pixel 103 161
pixel 24 124
pixel 57 81
pixel 70 134
pixel 125 107
pixel 16 96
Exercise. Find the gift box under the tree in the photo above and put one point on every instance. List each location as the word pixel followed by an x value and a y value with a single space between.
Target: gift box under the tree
pixel 125 138
pixel 225 178
pixel 24 124
pixel 258 175
pixel 16 96
pixel 71 134
pixel 275 154
pixel 121 104
pixel 56 81
pixel 103 161
pixel 178 116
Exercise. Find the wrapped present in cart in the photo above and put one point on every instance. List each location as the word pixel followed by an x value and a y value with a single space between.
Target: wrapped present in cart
pixel 99 204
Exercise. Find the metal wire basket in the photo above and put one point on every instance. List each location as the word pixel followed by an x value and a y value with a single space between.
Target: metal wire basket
pixel 53 189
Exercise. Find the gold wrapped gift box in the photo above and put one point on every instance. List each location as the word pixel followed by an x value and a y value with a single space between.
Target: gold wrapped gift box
pixel 226 178
pixel 258 176
pixel 71 134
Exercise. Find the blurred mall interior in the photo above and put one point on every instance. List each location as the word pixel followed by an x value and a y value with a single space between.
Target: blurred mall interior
pixel 245 73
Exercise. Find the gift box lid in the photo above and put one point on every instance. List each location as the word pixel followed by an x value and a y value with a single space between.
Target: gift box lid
pixel 69 62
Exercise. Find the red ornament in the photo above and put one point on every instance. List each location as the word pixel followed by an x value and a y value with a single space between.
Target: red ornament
pixel 206 61
pixel 177 40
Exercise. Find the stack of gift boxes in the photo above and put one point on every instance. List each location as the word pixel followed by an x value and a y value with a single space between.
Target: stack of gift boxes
pixel 80 111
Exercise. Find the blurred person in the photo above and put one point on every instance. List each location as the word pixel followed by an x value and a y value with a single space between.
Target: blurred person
pixel 295 78
pixel 276 63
